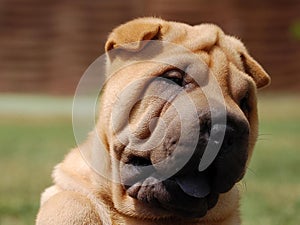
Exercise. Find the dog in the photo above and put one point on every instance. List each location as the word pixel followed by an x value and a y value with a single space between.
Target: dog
pixel 171 91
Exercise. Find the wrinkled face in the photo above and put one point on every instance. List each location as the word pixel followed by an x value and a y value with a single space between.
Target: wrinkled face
pixel 180 131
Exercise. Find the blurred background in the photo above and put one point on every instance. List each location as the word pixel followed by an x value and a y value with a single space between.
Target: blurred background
pixel 45 47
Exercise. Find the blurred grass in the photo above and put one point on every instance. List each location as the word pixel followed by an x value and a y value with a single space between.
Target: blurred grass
pixel 35 133
pixel 271 192
pixel 32 143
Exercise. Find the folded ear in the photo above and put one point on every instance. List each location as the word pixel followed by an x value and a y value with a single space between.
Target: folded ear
pixel 255 70
pixel 130 36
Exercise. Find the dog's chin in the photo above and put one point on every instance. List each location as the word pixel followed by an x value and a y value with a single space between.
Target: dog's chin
pixel 169 195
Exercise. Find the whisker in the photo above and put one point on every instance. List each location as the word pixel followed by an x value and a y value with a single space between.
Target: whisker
pixel 250 170
pixel 264 139
pixel 265 134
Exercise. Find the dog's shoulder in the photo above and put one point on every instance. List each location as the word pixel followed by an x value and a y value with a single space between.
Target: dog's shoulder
pixel 72 197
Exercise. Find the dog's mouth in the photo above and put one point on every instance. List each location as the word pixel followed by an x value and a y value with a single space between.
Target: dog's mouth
pixel 189 192
pixel 188 195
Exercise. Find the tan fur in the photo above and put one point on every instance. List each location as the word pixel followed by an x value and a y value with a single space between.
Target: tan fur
pixel 80 196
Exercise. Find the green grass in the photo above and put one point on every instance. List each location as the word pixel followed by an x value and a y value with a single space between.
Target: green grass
pixel 29 150
pixel 31 144
pixel 271 191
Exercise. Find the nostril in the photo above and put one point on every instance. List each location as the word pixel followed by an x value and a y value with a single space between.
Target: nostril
pixel 228 142
pixel 218 131
pixel 139 161
pixel 225 134
pixel 231 136
pixel 205 128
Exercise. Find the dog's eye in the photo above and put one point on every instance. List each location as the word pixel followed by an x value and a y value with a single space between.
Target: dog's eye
pixel 244 104
pixel 175 76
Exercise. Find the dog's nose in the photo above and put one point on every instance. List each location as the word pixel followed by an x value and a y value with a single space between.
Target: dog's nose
pixel 224 159
pixel 225 135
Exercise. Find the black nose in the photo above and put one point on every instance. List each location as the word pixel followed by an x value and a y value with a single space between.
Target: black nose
pixel 231 140
pixel 226 135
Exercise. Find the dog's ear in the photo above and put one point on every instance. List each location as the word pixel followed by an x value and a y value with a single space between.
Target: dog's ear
pixel 131 36
pixel 255 70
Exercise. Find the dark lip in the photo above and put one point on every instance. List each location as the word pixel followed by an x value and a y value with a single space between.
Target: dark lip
pixel 179 202
pixel 193 210
pixel 208 198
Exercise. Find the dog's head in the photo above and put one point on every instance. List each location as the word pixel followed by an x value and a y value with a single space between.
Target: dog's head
pixel 178 115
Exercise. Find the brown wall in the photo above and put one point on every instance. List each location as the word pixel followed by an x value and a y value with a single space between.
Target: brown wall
pixel 45 45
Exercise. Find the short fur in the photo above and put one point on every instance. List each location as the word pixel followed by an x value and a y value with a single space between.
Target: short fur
pixel 80 196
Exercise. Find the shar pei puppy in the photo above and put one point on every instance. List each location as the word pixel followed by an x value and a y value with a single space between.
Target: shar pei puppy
pixel 177 124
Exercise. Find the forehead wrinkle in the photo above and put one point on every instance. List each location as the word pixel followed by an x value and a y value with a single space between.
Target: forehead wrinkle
pixel 195 38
